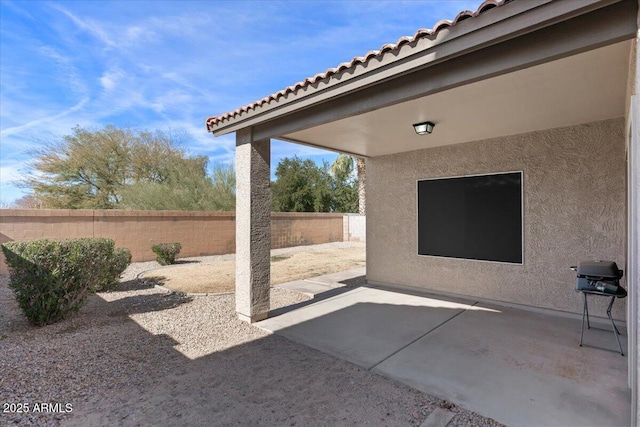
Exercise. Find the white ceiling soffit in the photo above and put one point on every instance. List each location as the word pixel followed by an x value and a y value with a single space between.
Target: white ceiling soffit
pixel 582 88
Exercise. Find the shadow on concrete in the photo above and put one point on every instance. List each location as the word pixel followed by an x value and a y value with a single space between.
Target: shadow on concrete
pixel 518 367
pixel 354 282
pixel 318 297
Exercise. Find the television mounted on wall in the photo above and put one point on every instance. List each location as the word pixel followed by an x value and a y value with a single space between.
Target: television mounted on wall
pixel 474 217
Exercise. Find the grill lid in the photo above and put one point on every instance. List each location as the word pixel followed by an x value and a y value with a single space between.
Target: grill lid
pixel 604 269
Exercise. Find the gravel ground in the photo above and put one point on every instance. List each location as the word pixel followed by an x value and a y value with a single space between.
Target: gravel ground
pixel 145 357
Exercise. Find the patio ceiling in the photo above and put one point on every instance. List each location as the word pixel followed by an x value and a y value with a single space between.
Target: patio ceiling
pixel 582 88
pixel 520 67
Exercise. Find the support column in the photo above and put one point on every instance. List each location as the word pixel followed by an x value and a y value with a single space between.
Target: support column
pixel 633 265
pixel 633 246
pixel 253 226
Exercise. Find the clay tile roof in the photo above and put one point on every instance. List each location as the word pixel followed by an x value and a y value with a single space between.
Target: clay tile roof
pixel 421 33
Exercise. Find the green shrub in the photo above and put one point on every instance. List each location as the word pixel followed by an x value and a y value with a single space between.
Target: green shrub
pixel 111 277
pixel 52 279
pixel 166 252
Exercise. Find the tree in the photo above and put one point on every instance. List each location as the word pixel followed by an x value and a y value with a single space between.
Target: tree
pixel 344 189
pixel 186 187
pixel 125 168
pixel 342 169
pixel 83 170
pixel 224 188
pixel 27 202
pixel 361 167
pixel 301 186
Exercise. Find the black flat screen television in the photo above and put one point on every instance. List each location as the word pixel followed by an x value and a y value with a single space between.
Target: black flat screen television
pixel 477 217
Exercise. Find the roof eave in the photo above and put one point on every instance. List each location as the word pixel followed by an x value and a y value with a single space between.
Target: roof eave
pixel 469 35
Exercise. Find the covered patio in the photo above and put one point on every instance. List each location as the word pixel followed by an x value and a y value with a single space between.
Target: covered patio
pixel 547 89
pixel 519 367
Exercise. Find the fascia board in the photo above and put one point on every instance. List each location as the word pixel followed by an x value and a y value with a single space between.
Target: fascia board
pixel 504 23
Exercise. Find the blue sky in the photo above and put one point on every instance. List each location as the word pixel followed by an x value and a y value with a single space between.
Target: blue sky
pixel 168 65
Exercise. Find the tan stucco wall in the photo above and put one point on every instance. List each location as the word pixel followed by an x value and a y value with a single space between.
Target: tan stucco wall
pixel 574 209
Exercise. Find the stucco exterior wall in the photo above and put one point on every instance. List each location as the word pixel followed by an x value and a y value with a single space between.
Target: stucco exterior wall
pixel 574 209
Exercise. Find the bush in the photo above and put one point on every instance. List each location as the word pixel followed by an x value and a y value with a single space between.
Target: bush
pixel 52 279
pixel 166 252
pixel 119 262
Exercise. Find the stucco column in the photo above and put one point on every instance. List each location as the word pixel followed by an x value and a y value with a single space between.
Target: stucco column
pixel 633 279
pixel 633 266
pixel 253 226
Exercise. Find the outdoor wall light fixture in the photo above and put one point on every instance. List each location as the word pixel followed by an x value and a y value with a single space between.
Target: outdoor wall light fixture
pixel 423 128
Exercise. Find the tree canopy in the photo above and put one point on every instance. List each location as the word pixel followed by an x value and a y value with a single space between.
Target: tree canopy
pixel 345 189
pixel 126 169
pixel 303 186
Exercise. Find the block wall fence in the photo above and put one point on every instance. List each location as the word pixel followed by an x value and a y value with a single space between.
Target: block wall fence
pixel 200 233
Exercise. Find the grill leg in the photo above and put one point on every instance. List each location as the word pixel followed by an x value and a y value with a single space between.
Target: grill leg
pixel 586 308
pixel 615 329
pixel 584 311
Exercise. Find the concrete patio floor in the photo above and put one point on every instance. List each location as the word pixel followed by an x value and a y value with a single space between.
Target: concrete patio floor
pixel 519 367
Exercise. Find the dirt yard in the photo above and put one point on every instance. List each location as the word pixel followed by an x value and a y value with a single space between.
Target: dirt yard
pixel 218 276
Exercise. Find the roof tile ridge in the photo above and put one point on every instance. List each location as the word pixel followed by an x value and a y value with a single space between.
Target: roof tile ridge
pixel 420 33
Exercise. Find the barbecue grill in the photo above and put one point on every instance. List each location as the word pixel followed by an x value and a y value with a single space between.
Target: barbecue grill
pixel 599 278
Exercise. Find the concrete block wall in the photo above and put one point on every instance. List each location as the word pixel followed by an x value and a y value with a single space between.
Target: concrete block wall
pixel 354 228
pixel 297 229
pixel 200 233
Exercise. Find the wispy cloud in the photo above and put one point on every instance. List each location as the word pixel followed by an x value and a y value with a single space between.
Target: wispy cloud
pixel 42 121
pixel 10 172
pixel 170 64
pixel 110 78
pixel 90 26
pixel 67 73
